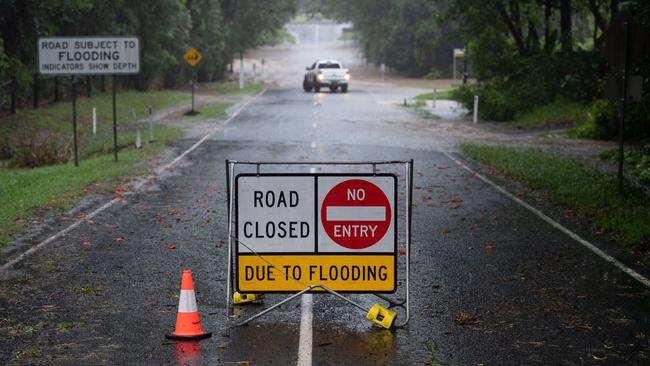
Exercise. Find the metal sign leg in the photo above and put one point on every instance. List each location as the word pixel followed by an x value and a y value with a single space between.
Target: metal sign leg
pixel 230 167
pixel 409 194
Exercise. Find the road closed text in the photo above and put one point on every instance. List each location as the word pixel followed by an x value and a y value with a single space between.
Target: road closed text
pixel 270 228
pixel 375 273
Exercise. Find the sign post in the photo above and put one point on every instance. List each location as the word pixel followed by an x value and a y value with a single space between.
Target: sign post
pixel 329 233
pixel 94 55
pixel 193 57
pixel 74 121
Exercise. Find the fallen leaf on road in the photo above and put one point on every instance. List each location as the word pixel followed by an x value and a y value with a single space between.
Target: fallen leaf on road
pixel 119 238
pixel 488 248
pixel 466 319
pixel 455 202
pixel 121 189
pixel 86 244
pixel 171 212
pixel 221 346
pixel 443 167
pixel 85 190
pixel 171 246
pixel 402 251
pixel 444 231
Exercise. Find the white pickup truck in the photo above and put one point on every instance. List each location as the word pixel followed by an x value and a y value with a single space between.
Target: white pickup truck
pixel 328 73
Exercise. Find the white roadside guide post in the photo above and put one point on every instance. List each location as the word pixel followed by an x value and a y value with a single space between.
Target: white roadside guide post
pixel 151 136
pixel 476 109
pixel 138 138
pixel 241 71
pixel 94 121
pixel 433 99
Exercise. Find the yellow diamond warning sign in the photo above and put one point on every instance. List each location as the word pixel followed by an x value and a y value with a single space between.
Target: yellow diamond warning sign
pixel 192 56
pixel 298 230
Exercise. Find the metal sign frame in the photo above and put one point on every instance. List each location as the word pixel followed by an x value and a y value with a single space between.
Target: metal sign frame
pixel 233 239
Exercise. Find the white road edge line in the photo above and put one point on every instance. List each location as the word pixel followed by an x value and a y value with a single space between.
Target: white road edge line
pixel 608 258
pixel 110 203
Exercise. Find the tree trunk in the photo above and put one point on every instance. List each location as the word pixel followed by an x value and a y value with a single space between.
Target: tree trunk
pixel 14 91
pixel 513 27
pixel 89 87
pixel 565 26
pixel 36 91
pixel 547 24
pixel 56 89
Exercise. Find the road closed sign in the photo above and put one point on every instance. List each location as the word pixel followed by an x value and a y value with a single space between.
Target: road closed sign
pixel 297 230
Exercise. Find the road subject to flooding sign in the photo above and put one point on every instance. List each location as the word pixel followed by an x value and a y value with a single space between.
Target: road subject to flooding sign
pixel 89 55
pixel 297 230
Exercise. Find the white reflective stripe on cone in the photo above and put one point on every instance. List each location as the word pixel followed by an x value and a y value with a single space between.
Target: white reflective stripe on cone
pixel 187 302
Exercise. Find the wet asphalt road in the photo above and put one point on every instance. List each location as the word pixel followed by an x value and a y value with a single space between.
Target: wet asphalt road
pixel 491 283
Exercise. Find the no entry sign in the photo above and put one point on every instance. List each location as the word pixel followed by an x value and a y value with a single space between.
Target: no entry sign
pixel 296 230
pixel 356 214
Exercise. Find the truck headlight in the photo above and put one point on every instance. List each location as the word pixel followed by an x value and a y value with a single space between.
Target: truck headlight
pixel 347 76
pixel 319 76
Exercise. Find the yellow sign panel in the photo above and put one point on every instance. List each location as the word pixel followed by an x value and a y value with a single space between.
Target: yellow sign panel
pixel 193 56
pixel 339 272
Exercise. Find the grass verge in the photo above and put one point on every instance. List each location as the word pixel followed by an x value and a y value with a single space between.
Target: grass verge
pixel 231 88
pixel 558 113
pixel 58 116
pixel 624 212
pixel 37 137
pixel 61 186
pixel 210 111
pixel 441 94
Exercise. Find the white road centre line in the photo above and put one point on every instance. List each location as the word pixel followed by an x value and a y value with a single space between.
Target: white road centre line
pixel 608 258
pixel 110 203
pixel 305 341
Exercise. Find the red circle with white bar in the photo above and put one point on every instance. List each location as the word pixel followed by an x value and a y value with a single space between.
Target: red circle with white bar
pixel 356 214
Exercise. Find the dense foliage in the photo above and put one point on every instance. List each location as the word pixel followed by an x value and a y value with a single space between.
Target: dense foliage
pixel 412 36
pixel 220 29
pixel 524 53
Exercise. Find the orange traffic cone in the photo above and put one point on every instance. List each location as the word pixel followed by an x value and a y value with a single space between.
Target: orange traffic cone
pixel 188 325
